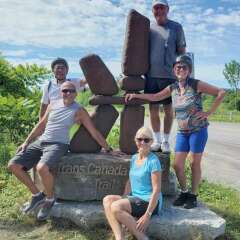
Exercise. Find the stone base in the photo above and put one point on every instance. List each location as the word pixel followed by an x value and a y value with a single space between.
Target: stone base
pixel 83 177
pixel 174 223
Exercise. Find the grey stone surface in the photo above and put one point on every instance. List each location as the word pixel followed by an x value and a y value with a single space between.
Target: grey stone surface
pixel 173 223
pixel 75 181
pixel 82 177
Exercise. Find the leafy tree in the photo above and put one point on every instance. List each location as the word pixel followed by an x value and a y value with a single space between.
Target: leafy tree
pixel 18 116
pixel 232 74
pixel 20 80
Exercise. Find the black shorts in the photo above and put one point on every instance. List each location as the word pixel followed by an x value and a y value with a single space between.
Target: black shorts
pixel 155 85
pixel 139 206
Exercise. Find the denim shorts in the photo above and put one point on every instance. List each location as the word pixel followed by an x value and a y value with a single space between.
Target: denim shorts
pixel 194 142
pixel 155 85
pixel 43 152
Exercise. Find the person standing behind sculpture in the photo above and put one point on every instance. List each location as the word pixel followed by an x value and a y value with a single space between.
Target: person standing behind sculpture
pixel 53 142
pixel 167 40
pixel 142 195
pixel 51 90
pixel 192 124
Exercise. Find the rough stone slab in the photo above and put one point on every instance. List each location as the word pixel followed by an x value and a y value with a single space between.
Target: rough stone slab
pixel 173 223
pixel 132 118
pixel 98 76
pixel 135 58
pixel 82 177
pixel 102 100
pixel 132 83
pixel 103 119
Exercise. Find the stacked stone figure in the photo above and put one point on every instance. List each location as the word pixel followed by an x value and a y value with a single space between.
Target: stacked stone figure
pixel 101 82
pixel 134 64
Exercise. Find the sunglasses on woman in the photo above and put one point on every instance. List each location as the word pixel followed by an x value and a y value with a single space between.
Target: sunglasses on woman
pixel 70 90
pixel 146 140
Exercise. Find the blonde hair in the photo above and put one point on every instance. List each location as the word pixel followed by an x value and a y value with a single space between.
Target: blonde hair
pixel 144 131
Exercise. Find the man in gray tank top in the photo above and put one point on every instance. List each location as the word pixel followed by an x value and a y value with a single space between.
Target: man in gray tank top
pixel 52 134
pixel 166 42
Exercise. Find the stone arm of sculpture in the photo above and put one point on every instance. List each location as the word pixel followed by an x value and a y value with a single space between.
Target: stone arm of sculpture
pixel 165 93
pixel 82 117
pixel 36 131
pixel 143 221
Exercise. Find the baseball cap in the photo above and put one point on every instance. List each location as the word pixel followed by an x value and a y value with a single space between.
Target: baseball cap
pixel 162 2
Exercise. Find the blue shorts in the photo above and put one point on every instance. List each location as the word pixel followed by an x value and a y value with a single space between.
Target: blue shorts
pixel 194 142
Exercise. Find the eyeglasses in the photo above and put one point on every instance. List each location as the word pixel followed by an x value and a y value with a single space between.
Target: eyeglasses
pixel 146 140
pixel 183 67
pixel 68 90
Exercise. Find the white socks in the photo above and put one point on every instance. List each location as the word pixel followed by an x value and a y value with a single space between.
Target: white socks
pixel 166 137
pixel 157 137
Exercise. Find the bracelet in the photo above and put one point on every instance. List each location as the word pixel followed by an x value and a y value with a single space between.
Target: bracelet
pixel 149 213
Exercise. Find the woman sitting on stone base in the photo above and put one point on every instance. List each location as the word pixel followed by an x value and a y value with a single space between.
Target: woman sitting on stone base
pixel 142 196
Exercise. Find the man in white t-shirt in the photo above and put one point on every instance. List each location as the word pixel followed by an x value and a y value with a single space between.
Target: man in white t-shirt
pixel 51 90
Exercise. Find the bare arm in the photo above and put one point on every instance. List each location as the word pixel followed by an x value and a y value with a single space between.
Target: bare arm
pixel 43 108
pixel 165 93
pixel 83 117
pixel 204 87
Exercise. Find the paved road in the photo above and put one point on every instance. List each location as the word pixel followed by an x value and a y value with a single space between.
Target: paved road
pixel 221 161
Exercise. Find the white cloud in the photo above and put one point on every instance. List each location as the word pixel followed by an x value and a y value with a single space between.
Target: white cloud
pixel 14 53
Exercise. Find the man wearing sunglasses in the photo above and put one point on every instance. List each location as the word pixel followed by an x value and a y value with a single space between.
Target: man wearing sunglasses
pixel 51 90
pixel 166 42
pixel 47 143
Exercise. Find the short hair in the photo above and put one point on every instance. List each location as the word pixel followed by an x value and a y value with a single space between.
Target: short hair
pixel 59 61
pixel 145 131
pixel 69 83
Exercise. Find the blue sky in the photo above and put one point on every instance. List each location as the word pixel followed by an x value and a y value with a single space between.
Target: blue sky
pixel 39 31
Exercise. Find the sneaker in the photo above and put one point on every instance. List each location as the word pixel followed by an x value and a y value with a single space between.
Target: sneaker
pixel 34 203
pixel 45 210
pixel 191 201
pixel 165 146
pixel 181 199
pixel 156 147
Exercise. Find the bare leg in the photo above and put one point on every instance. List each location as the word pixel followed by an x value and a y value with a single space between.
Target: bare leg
pixel 179 167
pixel 168 118
pixel 196 171
pixel 154 117
pixel 113 222
pixel 47 179
pixel 23 177
pixel 121 210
